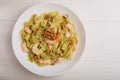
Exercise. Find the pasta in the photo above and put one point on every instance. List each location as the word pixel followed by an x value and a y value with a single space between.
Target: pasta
pixel 49 38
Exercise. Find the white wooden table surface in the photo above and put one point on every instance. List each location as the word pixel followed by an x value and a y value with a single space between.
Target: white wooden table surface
pixel 101 58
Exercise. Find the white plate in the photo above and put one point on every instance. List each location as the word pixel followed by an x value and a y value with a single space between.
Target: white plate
pixel 23 58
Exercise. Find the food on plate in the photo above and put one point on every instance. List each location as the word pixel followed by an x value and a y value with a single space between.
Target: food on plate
pixel 49 38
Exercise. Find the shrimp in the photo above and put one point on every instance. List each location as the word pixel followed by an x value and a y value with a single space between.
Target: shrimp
pixel 24 47
pixel 70 27
pixel 67 34
pixel 44 61
pixel 52 42
pixel 60 59
pixel 35 49
pixel 28 30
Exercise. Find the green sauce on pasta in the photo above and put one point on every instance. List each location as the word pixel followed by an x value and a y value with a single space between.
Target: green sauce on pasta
pixel 49 38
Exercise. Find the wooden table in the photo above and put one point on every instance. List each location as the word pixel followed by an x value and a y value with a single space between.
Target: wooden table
pixel 101 58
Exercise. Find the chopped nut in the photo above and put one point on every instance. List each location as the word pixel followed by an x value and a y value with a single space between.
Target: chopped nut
pixel 48 51
pixel 35 17
pixel 47 16
pixel 65 16
pixel 50 34
pixel 63 25
pixel 49 23
pixel 35 58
